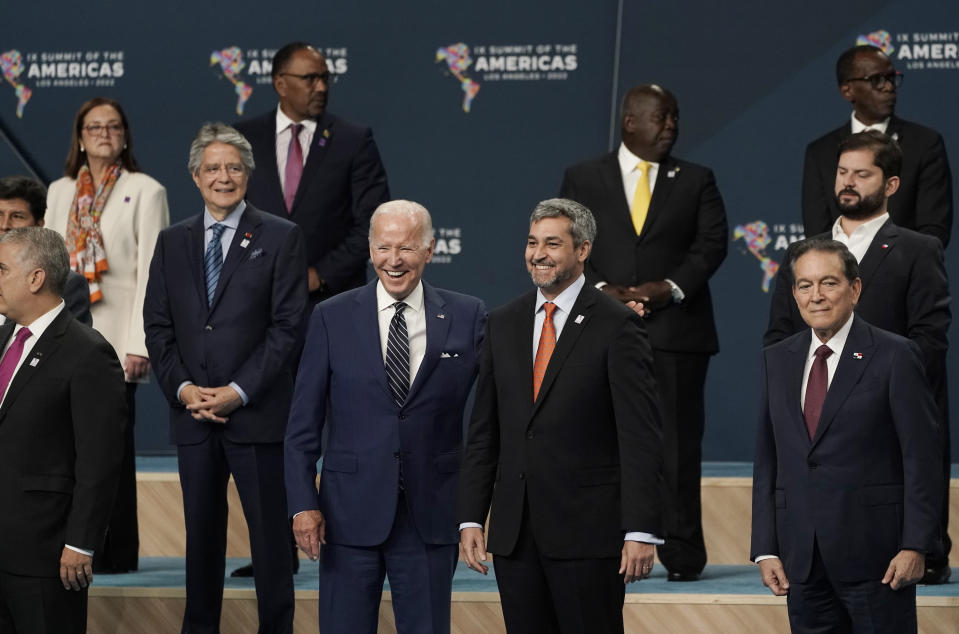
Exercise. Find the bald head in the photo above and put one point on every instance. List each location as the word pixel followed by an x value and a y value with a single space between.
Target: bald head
pixel 650 123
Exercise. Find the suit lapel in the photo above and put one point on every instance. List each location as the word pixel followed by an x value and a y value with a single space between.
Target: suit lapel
pixel 195 253
pixel 368 335
pixel 438 324
pixel 798 350
pixel 520 338
pixel 322 138
pixel 572 330
pixel 666 178
pixel 895 129
pixel 42 350
pixel 612 179
pixel 266 161
pixel 882 244
pixel 848 373
pixel 246 231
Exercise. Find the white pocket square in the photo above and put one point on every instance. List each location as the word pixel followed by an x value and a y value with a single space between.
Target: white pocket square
pixel 447 355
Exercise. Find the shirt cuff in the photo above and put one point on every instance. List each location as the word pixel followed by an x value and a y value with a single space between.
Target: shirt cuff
pixel 471 525
pixel 88 553
pixel 761 557
pixel 180 389
pixel 239 390
pixel 646 538
pixel 678 294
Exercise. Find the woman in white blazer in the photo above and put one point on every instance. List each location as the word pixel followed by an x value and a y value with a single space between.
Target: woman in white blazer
pixel 110 214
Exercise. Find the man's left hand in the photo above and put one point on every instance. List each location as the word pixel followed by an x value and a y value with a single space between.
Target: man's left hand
pixel 313 280
pixel 136 367
pixel 218 401
pixel 657 294
pixel 76 569
pixel 636 562
pixel 905 569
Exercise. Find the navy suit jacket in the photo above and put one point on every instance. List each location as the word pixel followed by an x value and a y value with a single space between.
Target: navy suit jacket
pixel 924 199
pixel 868 483
pixel 343 182
pixel 251 333
pixel 76 294
pixel 341 385
pixel 685 239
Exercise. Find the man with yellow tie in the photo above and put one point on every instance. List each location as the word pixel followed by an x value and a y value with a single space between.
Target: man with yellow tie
pixel 661 234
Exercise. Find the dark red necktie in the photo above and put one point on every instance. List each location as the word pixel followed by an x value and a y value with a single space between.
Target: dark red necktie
pixel 816 388
pixel 11 358
pixel 294 166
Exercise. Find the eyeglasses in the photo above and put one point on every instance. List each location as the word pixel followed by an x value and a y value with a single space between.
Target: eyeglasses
pixel 312 78
pixel 879 79
pixel 95 129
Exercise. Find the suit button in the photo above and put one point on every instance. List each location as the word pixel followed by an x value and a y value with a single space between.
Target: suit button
pixel 812 465
pixel 208 328
pixel 530 435
pixel 403 417
pixel 522 476
pixel 396 455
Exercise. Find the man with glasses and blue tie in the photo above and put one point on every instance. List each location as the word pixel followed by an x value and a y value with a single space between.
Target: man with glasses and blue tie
pixel 224 314
pixel 868 80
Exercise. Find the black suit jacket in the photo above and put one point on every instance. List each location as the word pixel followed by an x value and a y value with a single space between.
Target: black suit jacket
pixel 61 443
pixel 251 334
pixel 343 183
pixel 924 199
pixel 684 239
pixel 587 455
pixel 77 296
pixel 904 290
pixel 868 483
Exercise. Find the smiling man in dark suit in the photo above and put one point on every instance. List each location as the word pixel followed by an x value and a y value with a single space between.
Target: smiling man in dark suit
pixel 224 323
pixel 61 437
pixel 868 80
pixel 564 447
pixel 661 234
pixel 846 483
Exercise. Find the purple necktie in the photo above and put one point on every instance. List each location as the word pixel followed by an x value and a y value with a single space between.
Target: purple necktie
pixel 294 166
pixel 816 389
pixel 11 358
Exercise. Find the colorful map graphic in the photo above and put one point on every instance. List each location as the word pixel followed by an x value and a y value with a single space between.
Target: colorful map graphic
pixel 458 60
pixel 11 63
pixel 756 236
pixel 231 63
pixel 880 39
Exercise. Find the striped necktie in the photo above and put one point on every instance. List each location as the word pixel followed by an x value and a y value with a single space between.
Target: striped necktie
pixel 398 356
pixel 213 261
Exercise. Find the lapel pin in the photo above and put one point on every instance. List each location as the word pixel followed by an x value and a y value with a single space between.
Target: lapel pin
pixel 126 199
pixel 322 142
pixel 245 243
pixel 885 246
pixel 441 316
pixel 857 355
pixel 895 136
pixel 34 361
pixel 326 133
pixel 579 319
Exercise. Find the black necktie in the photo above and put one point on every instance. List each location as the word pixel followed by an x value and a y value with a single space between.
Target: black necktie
pixel 398 356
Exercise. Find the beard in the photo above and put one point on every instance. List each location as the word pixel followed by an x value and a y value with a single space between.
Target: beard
pixel 559 276
pixel 865 207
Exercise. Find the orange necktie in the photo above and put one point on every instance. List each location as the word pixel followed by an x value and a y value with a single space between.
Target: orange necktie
pixel 547 341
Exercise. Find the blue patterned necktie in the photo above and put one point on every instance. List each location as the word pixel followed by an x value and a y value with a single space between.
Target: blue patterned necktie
pixel 213 261
pixel 398 356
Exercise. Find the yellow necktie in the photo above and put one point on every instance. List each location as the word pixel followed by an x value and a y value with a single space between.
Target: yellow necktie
pixel 640 205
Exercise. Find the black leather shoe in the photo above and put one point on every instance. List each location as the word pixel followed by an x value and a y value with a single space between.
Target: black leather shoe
pixel 243 571
pixel 683 576
pixel 936 575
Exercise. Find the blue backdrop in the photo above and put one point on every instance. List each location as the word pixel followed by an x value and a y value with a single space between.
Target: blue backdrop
pixel 754 81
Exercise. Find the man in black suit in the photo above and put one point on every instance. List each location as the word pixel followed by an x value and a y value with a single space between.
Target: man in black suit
pixel 904 285
pixel 846 484
pixel 61 439
pixel 341 179
pixel 23 203
pixel 868 80
pixel 224 315
pixel 564 447
pixel 661 234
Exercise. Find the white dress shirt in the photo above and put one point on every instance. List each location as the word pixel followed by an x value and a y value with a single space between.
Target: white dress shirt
pixel 415 315
pixel 862 236
pixel 858 126
pixel 284 133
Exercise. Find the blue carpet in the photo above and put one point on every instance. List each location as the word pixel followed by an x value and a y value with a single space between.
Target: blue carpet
pixel 168 572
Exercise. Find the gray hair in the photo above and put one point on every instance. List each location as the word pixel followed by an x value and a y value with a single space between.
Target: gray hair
pixel 218 132
pixel 582 225
pixel 850 267
pixel 42 249
pixel 407 208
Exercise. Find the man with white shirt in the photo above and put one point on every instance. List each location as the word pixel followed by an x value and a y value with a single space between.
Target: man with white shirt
pixel 661 235
pixel 62 416
pixel 868 80
pixel 904 285
pixel 846 481
pixel 565 448
pixel 385 372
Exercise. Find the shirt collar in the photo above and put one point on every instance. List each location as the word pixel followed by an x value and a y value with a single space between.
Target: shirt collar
pixel 868 227
pixel 628 160
pixel 858 126
pixel 232 219
pixel 283 122
pixel 836 342
pixel 565 300
pixel 42 322
pixel 414 300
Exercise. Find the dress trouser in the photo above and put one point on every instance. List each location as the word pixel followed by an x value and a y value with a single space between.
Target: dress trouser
pixel 40 605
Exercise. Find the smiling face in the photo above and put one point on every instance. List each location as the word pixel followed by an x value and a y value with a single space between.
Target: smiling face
pixel 102 134
pixel 551 259
pixel 221 179
pixel 18 283
pixel 399 251
pixel 824 296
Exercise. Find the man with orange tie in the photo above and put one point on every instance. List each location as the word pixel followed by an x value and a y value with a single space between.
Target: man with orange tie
pixel 661 234
pixel 564 448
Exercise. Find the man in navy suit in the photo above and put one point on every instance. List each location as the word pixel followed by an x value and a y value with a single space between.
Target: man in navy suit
pixel 386 369
pixel 224 320
pixel 846 484
pixel 328 179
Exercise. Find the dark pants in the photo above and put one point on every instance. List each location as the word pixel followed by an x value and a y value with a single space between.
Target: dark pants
pixel 122 544
pixel 257 469
pixel 681 378
pixel 420 575
pixel 824 605
pixel 40 605
pixel 542 595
